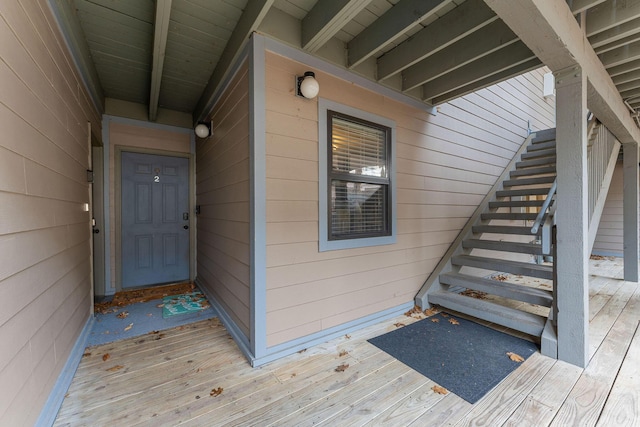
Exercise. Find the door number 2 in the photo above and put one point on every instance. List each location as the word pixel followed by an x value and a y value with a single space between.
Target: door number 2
pixel 156 178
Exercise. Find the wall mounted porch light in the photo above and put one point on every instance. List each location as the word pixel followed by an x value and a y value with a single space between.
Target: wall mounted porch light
pixel 307 86
pixel 204 129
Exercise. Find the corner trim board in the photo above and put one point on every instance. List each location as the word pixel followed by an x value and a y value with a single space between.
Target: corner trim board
pixel 258 196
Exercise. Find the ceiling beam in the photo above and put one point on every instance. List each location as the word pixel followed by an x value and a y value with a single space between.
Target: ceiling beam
pixel 624 87
pixel 483 42
pixel 460 22
pixel 617 44
pixel 623 69
pixel 496 62
pixel 327 18
pixel 161 31
pixel 550 30
pixel 631 94
pixel 627 77
pixel 619 32
pixel 251 18
pixel 578 6
pixel 402 17
pixel 621 55
pixel 514 71
pixel 611 14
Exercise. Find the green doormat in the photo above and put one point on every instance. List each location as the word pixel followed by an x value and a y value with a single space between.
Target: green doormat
pixel 182 304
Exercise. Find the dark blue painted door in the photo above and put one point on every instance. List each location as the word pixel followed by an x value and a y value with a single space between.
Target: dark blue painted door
pixel 154 219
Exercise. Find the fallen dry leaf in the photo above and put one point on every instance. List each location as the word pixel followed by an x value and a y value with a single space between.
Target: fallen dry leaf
pixel 597 257
pixel 342 367
pixel 453 321
pixel 445 315
pixel 128 327
pixel 440 390
pixel 414 311
pixel 122 315
pixel 515 357
pixel 431 311
pixel 302 351
pixel 474 294
pixel 435 320
pixel 115 368
pixel 87 354
pixel 399 325
pixel 347 336
pixel 216 392
pixel 500 277
pixel 105 357
pixel 343 353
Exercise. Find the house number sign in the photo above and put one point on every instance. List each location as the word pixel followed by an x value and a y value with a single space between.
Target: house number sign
pixel 156 177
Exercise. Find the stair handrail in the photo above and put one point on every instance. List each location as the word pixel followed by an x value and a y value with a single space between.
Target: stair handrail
pixel 544 208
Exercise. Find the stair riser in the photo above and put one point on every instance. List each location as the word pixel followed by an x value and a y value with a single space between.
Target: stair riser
pixel 509 216
pixel 516 204
pixel 516 324
pixel 537 154
pixel 533 171
pixel 548 161
pixel 523 192
pixel 502 289
pixel 498 229
pixel 548 145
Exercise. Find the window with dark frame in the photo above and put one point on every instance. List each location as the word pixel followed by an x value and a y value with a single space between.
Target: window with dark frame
pixel 358 178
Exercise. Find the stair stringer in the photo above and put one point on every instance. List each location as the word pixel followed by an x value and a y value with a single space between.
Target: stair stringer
pixel 602 194
pixel 432 284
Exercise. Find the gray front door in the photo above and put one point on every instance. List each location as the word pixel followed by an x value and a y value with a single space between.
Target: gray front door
pixel 154 219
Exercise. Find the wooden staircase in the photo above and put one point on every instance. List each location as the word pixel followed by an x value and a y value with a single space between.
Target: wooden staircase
pixel 501 240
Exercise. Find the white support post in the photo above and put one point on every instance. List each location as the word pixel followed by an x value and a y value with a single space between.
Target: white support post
pixel 572 217
pixel 630 211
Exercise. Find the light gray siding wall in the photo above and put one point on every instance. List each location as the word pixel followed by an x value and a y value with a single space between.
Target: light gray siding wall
pixel 45 234
pixel 609 240
pixel 445 166
pixel 222 192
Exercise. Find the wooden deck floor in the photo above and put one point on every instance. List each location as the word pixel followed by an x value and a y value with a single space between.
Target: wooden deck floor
pixel 196 376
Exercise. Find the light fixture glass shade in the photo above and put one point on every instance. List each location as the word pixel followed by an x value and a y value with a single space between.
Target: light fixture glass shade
pixel 309 86
pixel 202 130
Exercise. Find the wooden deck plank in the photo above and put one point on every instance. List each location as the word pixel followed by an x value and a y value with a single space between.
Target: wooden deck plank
pixel 408 409
pixel 623 405
pixel 497 405
pixel 167 381
pixel 586 401
pixel 541 405
pixel 603 322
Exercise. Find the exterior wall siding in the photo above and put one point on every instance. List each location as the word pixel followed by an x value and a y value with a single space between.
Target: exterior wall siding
pixel 222 192
pixel 45 234
pixel 445 166
pixel 142 138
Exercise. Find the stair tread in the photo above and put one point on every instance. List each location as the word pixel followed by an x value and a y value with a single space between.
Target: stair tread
pixel 533 171
pixel 515 203
pixel 509 215
pixel 538 153
pixel 542 145
pixel 528 181
pixel 504 229
pixel 504 246
pixel 506 316
pixel 504 289
pixel 516 267
pixel 545 161
pixel 523 192
pixel 544 135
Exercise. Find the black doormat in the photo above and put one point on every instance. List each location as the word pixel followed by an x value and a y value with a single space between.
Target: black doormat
pixel 466 358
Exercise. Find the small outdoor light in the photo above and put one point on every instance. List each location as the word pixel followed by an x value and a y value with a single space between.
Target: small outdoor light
pixel 204 129
pixel 307 86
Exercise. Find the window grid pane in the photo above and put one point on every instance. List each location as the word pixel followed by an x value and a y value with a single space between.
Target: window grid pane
pixel 358 149
pixel 358 206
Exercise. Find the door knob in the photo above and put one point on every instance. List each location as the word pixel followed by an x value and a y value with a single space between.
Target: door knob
pixel 96 230
pixel 186 227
